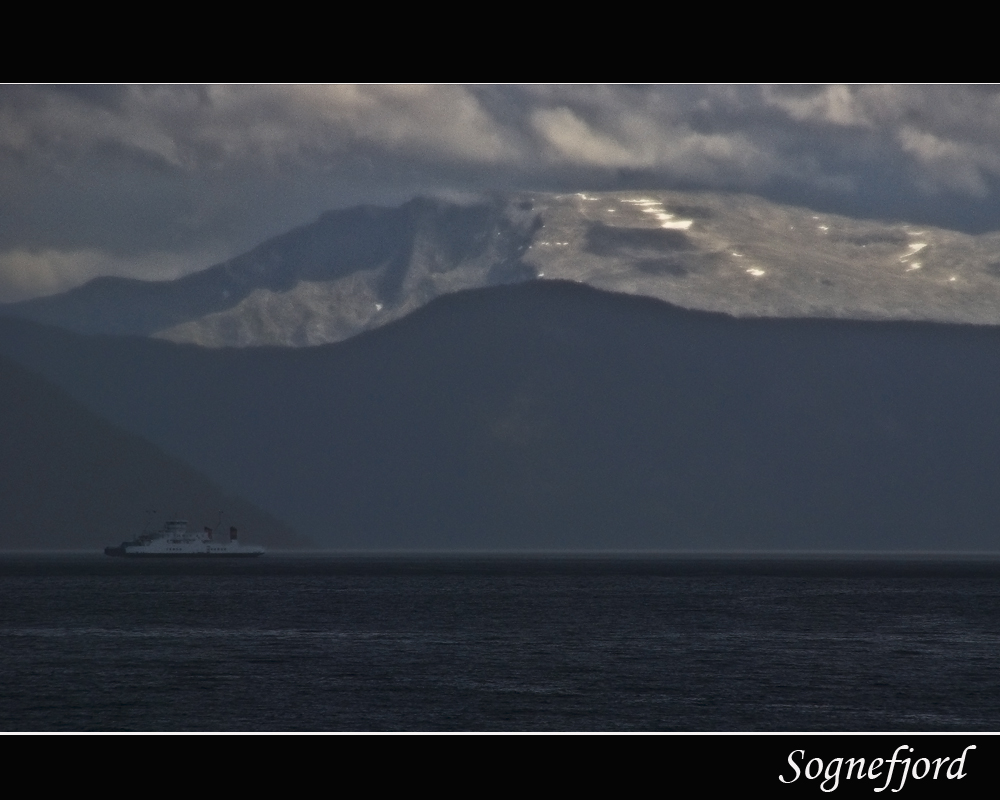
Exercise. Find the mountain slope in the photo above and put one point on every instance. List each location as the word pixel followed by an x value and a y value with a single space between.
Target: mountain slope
pixel 361 268
pixel 348 271
pixel 550 415
pixel 68 479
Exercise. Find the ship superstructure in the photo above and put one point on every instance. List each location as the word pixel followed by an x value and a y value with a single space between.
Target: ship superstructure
pixel 176 540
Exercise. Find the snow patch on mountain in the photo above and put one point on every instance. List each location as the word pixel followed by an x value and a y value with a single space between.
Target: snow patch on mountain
pixel 357 269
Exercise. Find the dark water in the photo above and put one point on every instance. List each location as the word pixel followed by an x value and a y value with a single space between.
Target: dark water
pixel 499 643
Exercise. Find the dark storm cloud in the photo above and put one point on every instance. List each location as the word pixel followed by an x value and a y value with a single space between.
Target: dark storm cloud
pixel 154 181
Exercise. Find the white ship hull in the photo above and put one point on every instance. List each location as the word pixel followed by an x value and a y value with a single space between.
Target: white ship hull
pixel 175 541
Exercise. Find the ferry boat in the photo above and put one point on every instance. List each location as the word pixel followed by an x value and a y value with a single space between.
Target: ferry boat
pixel 175 540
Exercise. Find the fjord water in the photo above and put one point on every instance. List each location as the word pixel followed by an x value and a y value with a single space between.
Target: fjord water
pixel 500 643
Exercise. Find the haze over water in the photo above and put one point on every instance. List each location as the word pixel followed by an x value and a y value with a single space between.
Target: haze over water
pixel 500 643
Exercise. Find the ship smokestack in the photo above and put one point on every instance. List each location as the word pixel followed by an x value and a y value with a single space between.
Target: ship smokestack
pixel 208 531
pixel 232 534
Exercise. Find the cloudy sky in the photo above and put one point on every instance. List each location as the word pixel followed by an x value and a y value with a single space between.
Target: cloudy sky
pixel 156 181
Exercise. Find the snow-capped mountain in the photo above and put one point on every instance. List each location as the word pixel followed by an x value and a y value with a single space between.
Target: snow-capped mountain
pixel 357 269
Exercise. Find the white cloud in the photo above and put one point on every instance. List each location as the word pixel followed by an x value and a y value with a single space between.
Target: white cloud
pixel 636 140
pixel 32 273
pixel 718 134
pixel 193 127
pixel 87 171
pixel 574 141
pixel 944 164
pixel 835 105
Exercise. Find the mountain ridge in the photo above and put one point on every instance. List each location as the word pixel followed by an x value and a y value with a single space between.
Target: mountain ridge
pixel 550 415
pixel 358 269
pixel 72 480
pixel 367 254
